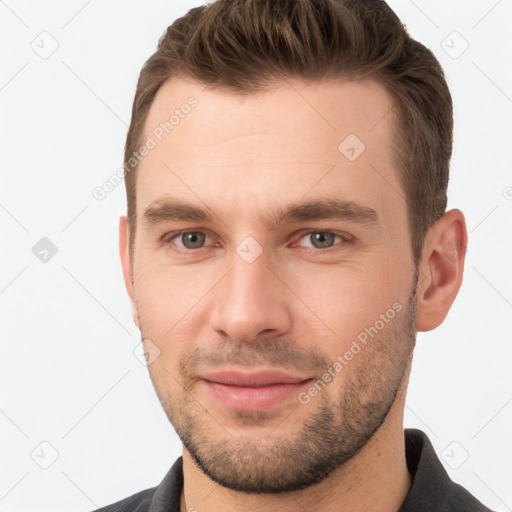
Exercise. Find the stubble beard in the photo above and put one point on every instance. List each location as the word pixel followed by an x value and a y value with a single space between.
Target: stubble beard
pixel 336 430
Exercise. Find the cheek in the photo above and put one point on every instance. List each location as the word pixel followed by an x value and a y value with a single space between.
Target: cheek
pixel 166 294
pixel 342 302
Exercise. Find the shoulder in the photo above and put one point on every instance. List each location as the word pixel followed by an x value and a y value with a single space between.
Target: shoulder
pixel 139 502
pixel 460 498
pixel 431 486
pixel 164 497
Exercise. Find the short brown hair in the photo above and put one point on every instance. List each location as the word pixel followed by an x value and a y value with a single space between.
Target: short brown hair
pixel 244 45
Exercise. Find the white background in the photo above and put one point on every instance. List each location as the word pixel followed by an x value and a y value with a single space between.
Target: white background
pixel 69 376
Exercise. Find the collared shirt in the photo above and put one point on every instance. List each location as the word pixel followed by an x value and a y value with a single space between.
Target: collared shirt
pixel 431 490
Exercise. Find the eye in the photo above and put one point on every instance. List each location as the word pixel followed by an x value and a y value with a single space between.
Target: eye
pixel 187 239
pixel 323 239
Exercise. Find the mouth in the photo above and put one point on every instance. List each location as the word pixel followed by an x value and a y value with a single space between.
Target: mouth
pixel 253 391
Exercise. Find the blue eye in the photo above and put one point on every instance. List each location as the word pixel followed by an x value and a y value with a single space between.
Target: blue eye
pixel 189 239
pixel 323 239
pixel 193 240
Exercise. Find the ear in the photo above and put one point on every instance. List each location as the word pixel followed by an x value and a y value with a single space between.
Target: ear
pixel 127 264
pixel 441 269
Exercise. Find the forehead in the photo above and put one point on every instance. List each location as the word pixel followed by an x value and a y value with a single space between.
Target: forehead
pixel 290 139
pixel 286 108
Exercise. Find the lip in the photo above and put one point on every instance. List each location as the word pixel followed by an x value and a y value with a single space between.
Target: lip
pixel 253 391
pixel 254 379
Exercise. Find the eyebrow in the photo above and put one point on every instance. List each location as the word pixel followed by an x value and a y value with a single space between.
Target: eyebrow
pixel 170 209
pixel 174 210
pixel 324 209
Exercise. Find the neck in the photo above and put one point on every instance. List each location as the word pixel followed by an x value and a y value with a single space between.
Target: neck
pixel 375 479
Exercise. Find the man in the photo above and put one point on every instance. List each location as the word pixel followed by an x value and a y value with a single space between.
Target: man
pixel 286 170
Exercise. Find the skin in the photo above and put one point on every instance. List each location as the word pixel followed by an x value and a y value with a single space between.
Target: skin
pixel 296 306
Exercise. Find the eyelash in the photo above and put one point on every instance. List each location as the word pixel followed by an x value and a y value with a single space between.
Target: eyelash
pixel 345 237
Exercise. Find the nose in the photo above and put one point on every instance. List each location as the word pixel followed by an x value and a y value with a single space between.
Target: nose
pixel 250 302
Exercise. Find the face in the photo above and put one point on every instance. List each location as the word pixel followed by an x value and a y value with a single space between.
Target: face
pixel 273 279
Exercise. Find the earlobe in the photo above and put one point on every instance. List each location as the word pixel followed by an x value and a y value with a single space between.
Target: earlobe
pixel 127 265
pixel 441 269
